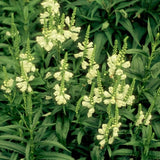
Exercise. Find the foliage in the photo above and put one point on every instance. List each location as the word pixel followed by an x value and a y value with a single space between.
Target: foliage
pixel 79 79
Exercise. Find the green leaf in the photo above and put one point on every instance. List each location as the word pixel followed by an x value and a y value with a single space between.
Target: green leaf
pixel 12 146
pixel 155 70
pixel 14 156
pixel 128 26
pixel 3 45
pixel 53 143
pixel 122 152
pixel 108 34
pixel 65 128
pixel 155 125
pixel 154 155
pixel 3 3
pixel 137 65
pixel 79 136
pixel 96 154
pixel 12 137
pixel 137 51
pixel 27 151
pixel 62 127
pixel 126 4
pixel 99 41
pixel 150 32
pixel 6 60
pixel 133 143
pixel 3 157
pixel 54 156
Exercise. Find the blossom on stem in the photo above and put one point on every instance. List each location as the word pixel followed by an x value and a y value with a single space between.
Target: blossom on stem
pixel 92 73
pixel 7 85
pixel 147 121
pixel 22 83
pixel 60 96
pixel 140 118
pixel 89 104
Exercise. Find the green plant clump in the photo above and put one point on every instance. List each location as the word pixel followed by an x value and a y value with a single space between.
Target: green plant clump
pixel 79 80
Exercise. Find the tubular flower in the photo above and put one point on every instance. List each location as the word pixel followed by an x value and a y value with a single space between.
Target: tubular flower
pixel 22 83
pixel 56 32
pixel 7 85
pixel 115 64
pixel 119 97
pixel 92 73
pixel 102 135
pixel 60 96
pixel 89 104
pixel 140 118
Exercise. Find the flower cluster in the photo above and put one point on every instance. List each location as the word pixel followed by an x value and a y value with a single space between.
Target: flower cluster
pixel 60 96
pixel 7 85
pixel 27 70
pixel 53 30
pixel 108 133
pixel 87 55
pixel 120 96
pixel 91 100
pixel 63 72
pixel 117 62
pixel 116 65
pixel 62 76
pixel 141 118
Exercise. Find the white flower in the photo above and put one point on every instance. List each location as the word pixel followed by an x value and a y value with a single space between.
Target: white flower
pixel 80 54
pixel 60 96
pixel 119 72
pixel 60 99
pixel 89 53
pixel 75 29
pixel 58 76
pixel 80 46
pixel 97 98
pixel 67 20
pixel 102 135
pixel 108 95
pixel 67 75
pixel 47 45
pixel 92 73
pixel 23 56
pixel 67 34
pixel 130 100
pixel 90 112
pixel 60 38
pixel 84 64
pixel 87 103
pixel 22 86
pixel 148 119
pixel 7 85
pixel 140 119
pixel 8 33
pixel 48 97
pixel 126 64
pixel 110 140
pixel 48 75
pixel 123 77
pixel 29 88
pixel 31 78
pixel 74 36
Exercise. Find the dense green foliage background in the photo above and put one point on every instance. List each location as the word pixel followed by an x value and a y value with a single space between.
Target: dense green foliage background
pixel 59 135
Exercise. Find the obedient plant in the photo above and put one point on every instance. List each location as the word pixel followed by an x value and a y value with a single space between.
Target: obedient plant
pixel 59 103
